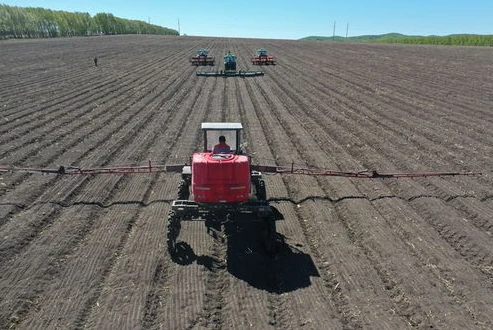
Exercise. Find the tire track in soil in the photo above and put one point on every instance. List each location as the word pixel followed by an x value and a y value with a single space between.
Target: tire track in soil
pixel 216 282
pixel 277 276
pixel 278 310
pixel 419 144
pixel 219 279
pixel 60 118
pixel 480 256
pixel 392 121
pixel 272 274
pixel 465 298
pixel 104 121
pixel 213 311
pixel 216 286
pixel 370 89
pixel 110 84
pixel 277 306
pixel 376 140
pixel 190 132
pixel 162 269
pixel 411 311
pixel 159 289
pixel 45 185
pixel 331 282
pixel 113 80
pixel 55 213
pixel 130 224
pixel 442 195
pixel 216 311
pixel 445 192
pixel 65 134
pixel 90 79
pixel 408 68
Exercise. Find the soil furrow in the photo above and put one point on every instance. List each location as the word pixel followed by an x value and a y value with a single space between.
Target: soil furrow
pixel 418 316
pixel 90 252
pixel 142 125
pixel 263 107
pixel 485 266
pixel 123 120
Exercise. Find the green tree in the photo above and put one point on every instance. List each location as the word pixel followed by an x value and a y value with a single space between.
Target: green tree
pixel 17 22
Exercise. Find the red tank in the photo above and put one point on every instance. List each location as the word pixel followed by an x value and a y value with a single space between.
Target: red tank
pixel 223 178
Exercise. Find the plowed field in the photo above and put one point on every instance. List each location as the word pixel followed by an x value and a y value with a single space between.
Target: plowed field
pixel 89 252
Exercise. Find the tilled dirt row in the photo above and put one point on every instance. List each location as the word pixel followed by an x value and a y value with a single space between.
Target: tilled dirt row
pixel 456 231
pixel 90 252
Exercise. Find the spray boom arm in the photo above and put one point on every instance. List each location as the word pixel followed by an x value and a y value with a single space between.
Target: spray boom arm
pixel 349 174
pixel 150 168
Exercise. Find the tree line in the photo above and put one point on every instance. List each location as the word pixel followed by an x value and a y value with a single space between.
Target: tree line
pixel 18 22
pixel 451 40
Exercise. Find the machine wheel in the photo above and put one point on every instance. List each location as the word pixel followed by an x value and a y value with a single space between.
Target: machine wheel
pixel 173 230
pixel 261 191
pixel 183 190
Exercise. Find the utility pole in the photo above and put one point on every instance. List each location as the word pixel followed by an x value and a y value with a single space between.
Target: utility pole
pixel 334 32
pixel 347 29
pixel 179 27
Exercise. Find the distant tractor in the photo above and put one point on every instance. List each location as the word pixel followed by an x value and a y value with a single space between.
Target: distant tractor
pixel 263 58
pixel 202 58
pixel 229 62
pixel 230 69
pixel 219 188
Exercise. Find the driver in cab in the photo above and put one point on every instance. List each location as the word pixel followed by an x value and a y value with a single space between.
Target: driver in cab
pixel 221 147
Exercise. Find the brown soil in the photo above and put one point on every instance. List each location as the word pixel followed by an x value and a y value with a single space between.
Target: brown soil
pixel 89 252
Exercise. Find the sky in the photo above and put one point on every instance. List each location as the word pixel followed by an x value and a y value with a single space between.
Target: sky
pixel 292 19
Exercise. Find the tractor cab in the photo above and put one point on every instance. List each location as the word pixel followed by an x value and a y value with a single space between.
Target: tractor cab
pixel 262 52
pixel 202 58
pixel 202 52
pixel 231 131
pixel 229 62
pixel 263 58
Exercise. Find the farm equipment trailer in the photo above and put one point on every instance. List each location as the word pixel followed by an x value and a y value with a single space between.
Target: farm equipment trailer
pixel 202 58
pixel 230 69
pixel 262 57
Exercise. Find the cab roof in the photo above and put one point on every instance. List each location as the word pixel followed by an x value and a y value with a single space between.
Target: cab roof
pixel 222 126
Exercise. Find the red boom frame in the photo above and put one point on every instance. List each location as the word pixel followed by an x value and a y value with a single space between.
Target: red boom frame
pixel 150 168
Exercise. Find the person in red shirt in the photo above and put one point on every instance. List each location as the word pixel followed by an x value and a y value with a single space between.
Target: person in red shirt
pixel 221 147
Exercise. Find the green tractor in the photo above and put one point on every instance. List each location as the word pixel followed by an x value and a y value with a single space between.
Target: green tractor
pixel 230 69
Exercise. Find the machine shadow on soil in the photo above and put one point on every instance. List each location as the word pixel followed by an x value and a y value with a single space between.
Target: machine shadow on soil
pixel 286 270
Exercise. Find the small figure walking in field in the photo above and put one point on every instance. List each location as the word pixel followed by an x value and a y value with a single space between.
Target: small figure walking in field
pixel 95 61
